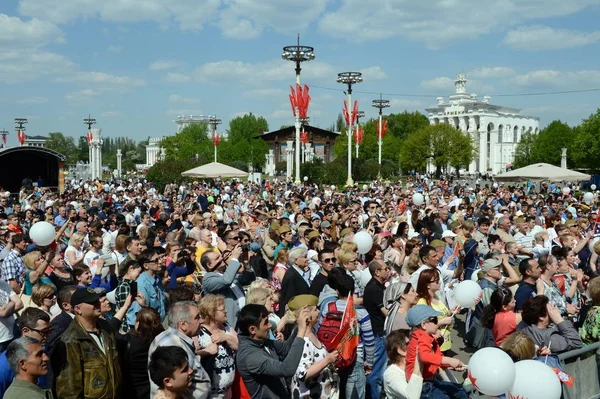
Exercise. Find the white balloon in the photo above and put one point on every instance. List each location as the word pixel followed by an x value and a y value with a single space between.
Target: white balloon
pixel 495 185
pixel 365 187
pixel 467 293
pixel 418 199
pixel 491 371
pixel 305 178
pixel 535 380
pixel 588 198
pixel 316 201
pixel 566 190
pixel 363 241
pixel 593 187
pixel 42 233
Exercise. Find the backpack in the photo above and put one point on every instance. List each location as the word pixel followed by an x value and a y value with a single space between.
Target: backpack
pixel 330 326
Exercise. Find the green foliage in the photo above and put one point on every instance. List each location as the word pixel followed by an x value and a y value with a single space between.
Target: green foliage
pixel 524 150
pixel 168 171
pixel 315 170
pixel 65 145
pixel 83 152
pixel 132 152
pixel 190 144
pixel 242 142
pixel 442 144
pixel 586 143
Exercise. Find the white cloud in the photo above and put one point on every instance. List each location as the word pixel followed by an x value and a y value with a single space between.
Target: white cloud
pixel 183 111
pixel 246 19
pixel 111 114
pixel 540 37
pixel 173 77
pixel 491 73
pixel 225 71
pixel 18 66
pixel 442 84
pixel 277 94
pixel 402 104
pixel 34 33
pixel 105 80
pixel 373 73
pixel 558 79
pixel 174 98
pixel 437 23
pixel 32 100
pixel 115 49
pixel 163 65
pixel 81 95
pixel 187 14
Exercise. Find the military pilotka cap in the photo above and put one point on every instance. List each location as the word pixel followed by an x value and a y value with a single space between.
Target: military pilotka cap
pixel 346 231
pixel 85 295
pixel 437 244
pixel 284 229
pixel 299 301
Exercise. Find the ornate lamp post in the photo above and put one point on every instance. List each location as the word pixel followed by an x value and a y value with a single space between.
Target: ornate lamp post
pixel 214 122
pixel 4 133
pixel 349 79
pixel 298 54
pixel 20 129
pixel 380 104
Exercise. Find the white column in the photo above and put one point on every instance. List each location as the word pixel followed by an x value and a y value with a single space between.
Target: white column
pixel 119 156
pixel 290 158
pixel 472 132
pixel 307 153
pixel 462 124
pixel 483 151
pixel 349 181
pixel 297 147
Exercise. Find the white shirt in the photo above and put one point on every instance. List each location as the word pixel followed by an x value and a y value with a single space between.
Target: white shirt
pixel 7 324
pixel 396 387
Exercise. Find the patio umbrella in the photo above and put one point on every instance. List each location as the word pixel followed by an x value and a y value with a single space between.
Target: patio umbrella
pixel 542 172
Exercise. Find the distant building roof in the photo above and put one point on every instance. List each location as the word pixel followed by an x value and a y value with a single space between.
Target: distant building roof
pixel 36 138
pixel 292 129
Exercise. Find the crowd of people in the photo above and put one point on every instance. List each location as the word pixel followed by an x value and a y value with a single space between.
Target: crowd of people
pixel 229 289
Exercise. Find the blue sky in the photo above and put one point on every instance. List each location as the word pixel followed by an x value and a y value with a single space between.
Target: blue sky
pixel 135 65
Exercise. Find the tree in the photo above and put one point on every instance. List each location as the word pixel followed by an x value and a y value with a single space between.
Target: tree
pixel 65 145
pixel 442 144
pixel 586 142
pixel 550 141
pixel 190 144
pixel 402 124
pixel 246 127
pixel 524 150
pixel 83 149
pixel 168 171
pixel 243 140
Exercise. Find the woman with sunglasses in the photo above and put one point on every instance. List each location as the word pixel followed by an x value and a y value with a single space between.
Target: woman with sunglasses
pixel 500 316
pixel 427 288
pixel 44 297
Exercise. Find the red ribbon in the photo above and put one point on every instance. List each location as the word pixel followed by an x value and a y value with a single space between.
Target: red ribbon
pixel 384 128
pixel 300 99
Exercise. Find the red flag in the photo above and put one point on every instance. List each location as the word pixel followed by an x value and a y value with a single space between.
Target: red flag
pixel 384 127
pixel 300 99
pixel 355 112
pixel 89 137
pixel 216 139
pixel 347 339
pixel 304 137
pixel 345 113
pixel 358 135
pixel 4 138
pixel 21 136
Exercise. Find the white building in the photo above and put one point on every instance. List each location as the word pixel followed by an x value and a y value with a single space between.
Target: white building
pixel 153 151
pixel 495 129
pixel 35 141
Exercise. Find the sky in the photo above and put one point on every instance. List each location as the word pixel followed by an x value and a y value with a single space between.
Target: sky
pixel 135 65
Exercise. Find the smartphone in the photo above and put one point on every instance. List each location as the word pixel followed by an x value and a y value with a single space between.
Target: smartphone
pixel 134 289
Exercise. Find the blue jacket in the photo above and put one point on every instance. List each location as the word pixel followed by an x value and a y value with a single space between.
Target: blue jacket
pixel 153 291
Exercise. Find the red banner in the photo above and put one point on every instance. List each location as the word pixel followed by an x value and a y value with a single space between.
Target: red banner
pixel 347 114
pixel 216 139
pixel 304 137
pixel 358 135
pixel 347 339
pixel 21 136
pixel 89 137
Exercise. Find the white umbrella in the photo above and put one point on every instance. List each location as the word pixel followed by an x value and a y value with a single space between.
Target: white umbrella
pixel 214 170
pixel 542 172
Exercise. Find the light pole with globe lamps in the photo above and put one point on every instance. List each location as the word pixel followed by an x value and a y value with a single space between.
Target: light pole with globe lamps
pixel 298 54
pixel 349 79
pixel 381 104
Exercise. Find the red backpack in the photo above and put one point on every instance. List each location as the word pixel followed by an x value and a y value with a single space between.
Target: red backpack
pixel 330 327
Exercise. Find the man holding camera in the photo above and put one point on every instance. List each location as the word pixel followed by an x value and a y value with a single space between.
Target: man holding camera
pixel 220 279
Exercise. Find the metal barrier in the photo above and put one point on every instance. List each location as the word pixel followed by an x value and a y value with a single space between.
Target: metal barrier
pixel 583 365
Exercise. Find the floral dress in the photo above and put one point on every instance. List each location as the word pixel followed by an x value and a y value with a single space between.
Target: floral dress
pixel 220 367
pixel 320 386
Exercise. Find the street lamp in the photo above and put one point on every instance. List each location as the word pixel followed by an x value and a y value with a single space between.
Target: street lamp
pixel 89 121
pixel 4 133
pixel 380 104
pixel 349 79
pixel 359 114
pixel 214 122
pixel 20 129
pixel 298 54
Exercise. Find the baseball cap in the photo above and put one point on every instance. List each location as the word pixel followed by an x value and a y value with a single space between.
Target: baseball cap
pixel 84 295
pixel 315 216
pixel 419 313
pixel 448 233
pixel 490 264
pixel 325 224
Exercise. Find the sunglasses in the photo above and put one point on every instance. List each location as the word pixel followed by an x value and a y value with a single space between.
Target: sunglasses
pixel 329 260
pixel 433 320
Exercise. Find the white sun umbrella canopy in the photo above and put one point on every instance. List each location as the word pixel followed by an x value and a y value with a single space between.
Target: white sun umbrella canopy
pixel 214 170
pixel 542 172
